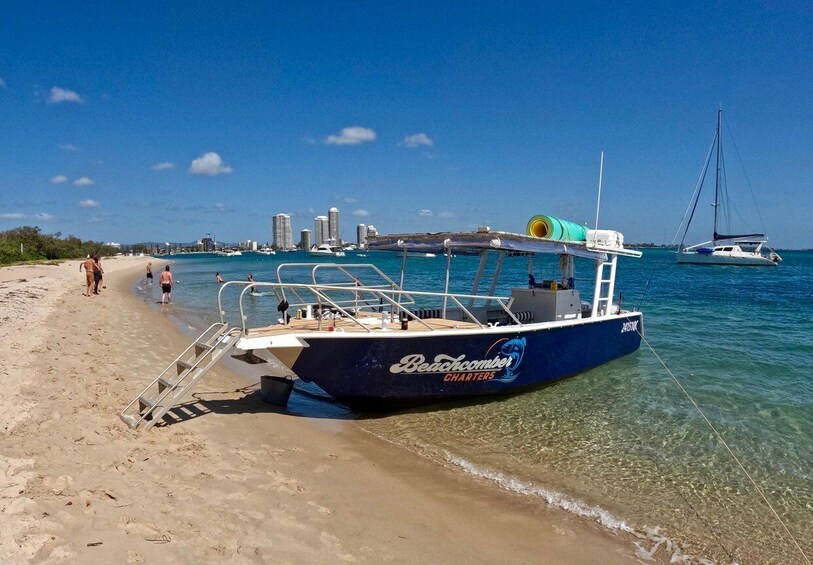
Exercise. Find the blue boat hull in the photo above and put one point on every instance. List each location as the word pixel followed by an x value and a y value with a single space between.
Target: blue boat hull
pixel 387 371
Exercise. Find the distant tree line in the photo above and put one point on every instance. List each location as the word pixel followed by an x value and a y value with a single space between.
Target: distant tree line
pixel 30 244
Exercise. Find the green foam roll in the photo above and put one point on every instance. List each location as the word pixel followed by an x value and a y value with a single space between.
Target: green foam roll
pixel 548 227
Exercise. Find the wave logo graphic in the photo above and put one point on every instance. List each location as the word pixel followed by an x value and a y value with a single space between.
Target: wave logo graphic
pixel 513 349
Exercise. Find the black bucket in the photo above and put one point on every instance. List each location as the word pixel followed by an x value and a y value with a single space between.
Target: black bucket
pixel 276 390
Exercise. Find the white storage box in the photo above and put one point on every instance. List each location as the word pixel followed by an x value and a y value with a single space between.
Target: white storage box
pixel 605 238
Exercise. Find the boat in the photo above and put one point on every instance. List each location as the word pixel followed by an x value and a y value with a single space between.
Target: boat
pixel 375 346
pixel 372 345
pixel 326 250
pixel 266 251
pixel 723 249
pixel 229 253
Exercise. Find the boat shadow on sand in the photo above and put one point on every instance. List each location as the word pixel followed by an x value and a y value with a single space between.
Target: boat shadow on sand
pixel 306 401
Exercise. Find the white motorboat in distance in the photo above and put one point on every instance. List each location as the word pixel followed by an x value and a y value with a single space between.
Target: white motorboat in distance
pixel 326 250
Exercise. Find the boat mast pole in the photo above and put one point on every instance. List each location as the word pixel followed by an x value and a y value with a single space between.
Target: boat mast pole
pixel 600 175
pixel 717 182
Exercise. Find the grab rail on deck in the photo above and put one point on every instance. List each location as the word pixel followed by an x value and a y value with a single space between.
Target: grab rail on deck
pixel 384 296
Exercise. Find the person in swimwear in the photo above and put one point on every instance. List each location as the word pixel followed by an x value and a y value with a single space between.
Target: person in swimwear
pixel 253 288
pixel 149 273
pixel 218 278
pixel 89 265
pixel 166 285
pixel 98 274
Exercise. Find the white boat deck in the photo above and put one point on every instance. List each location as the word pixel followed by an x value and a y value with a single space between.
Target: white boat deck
pixel 347 325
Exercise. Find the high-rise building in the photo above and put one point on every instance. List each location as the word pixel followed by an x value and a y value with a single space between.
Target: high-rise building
pixel 371 231
pixel 281 228
pixel 320 229
pixel 333 226
pixel 305 239
pixel 361 235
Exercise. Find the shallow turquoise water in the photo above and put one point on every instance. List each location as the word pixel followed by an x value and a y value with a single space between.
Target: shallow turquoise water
pixel 621 444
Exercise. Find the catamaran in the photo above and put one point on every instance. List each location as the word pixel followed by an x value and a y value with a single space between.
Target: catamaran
pixel 373 345
pixel 723 249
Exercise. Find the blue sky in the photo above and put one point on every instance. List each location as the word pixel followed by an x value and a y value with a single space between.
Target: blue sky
pixel 170 121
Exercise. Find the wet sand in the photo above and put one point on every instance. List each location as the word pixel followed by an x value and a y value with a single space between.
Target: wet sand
pixel 238 480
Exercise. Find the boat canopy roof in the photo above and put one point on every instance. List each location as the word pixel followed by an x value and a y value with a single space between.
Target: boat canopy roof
pixel 490 240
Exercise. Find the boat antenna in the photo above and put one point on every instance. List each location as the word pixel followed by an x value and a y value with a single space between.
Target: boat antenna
pixel 600 176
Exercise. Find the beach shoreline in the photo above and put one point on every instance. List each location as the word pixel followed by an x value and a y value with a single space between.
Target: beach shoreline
pixel 235 479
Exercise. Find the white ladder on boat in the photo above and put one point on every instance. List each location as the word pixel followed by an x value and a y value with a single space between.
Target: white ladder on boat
pixel 173 384
pixel 603 294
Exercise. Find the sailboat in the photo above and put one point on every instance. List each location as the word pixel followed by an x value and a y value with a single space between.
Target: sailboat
pixel 723 249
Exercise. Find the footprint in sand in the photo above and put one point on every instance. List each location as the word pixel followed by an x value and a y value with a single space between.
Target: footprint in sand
pixel 132 527
pixel 336 545
pixel 323 510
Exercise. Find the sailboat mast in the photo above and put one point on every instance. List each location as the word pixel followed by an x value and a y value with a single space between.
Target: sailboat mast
pixel 717 182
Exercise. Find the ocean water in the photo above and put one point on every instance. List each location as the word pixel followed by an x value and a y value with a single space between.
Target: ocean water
pixel 621 444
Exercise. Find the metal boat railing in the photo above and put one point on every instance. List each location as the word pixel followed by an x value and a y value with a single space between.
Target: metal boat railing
pixel 383 303
pixel 341 269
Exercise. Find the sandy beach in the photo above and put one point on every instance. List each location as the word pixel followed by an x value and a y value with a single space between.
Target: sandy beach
pixel 239 481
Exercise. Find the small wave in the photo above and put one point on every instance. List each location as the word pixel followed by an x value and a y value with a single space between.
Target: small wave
pixel 649 537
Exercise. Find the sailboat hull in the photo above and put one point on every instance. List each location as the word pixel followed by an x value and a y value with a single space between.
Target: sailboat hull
pixel 743 259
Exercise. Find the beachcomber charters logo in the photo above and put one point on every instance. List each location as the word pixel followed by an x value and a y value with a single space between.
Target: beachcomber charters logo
pixel 500 362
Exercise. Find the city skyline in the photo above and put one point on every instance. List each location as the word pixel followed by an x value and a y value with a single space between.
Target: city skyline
pixel 418 117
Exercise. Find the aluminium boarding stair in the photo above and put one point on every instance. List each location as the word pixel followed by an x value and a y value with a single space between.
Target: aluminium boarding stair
pixel 173 384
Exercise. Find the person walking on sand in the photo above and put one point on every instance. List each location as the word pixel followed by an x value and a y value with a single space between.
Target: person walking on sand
pixel 88 264
pixel 253 288
pixel 166 285
pixel 98 274
pixel 218 278
pixel 149 274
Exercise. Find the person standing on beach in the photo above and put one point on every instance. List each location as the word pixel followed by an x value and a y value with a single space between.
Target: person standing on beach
pixel 149 274
pixel 89 266
pixel 98 273
pixel 166 285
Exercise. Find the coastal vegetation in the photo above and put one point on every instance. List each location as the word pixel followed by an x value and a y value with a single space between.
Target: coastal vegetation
pixel 28 243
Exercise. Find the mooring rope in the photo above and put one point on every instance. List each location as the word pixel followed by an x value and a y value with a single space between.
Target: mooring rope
pixel 723 441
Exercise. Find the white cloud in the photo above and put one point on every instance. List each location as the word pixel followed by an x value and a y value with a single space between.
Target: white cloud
pixel 220 206
pixel 59 179
pixel 96 220
pixel 348 199
pixel 59 95
pixel 83 181
pixel 308 140
pixel 424 212
pixel 163 166
pixel 89 203
pixel 446 215
pixel 361 213
pixel 12 216
pixel 416 140
pixel 68 147
pixel 353 135
pixel 44 217
pixel 209 164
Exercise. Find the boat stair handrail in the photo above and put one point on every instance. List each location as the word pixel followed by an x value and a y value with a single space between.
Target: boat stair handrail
pixel 382 297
